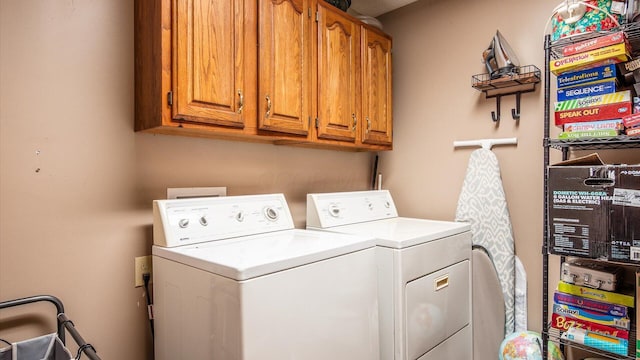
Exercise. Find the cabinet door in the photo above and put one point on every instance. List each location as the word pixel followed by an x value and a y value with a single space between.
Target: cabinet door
pixel 338 74
pixel 208 62
pixel 376 87
pixel 284 71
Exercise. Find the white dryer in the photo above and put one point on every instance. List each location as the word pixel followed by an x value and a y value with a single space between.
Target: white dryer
pixel 423 273
pixel 234 280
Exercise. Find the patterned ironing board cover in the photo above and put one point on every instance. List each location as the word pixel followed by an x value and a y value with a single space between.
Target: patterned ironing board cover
pixel 482 203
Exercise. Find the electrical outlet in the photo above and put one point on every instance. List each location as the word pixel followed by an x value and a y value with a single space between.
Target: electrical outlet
pixel 142 266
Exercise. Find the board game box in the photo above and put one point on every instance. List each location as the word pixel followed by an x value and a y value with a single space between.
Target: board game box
pixel 633 132
pixel 631 120
pixel 592 44
pixel 573 78
pixel 590 304
pixel 614 124
pixel 593 113
pixel 598 341
pixel 563 323
pixel 601 87
pixel 607 55
pixel 575 312
pixel 588 134
pixel 618 298
pixel 593 100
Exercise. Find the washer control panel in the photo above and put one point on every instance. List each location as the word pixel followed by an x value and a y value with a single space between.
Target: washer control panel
pixel 344 208
pixel 189 221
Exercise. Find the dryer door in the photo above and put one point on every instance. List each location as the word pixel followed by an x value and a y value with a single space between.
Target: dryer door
pixel 437 306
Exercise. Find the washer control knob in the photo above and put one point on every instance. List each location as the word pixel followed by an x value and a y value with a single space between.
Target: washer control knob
pixel 183 223
pixel 370 206
pixel 271 213
pixel 204 221
pixel 387 204
pixel 334 210
pixel 240 216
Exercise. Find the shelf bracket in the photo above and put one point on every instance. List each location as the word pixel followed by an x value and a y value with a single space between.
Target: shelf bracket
pixel 521 81
pixel 495 115
pixel 515 113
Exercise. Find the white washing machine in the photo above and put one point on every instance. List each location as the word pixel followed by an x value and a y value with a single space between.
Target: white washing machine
pixel 423 272
pixel 234 280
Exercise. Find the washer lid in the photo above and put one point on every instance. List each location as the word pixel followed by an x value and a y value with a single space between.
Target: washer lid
pixel 252 256
pixel 403 232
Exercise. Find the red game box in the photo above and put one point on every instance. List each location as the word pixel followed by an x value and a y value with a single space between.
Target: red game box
pixel 593 113
pixel 592 44
pixel 633 132
pixel 631 120
pixel 563 323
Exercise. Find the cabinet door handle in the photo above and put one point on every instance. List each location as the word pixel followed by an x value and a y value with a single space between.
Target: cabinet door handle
pixel 368 124
pixel 355 122
pixel 241 101
pixel 268 98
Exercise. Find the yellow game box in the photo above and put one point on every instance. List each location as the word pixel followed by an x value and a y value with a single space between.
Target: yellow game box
pixel 607 55
pixel 620 298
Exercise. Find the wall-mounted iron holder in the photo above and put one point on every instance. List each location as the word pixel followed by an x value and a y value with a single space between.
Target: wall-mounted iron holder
pixel 521 81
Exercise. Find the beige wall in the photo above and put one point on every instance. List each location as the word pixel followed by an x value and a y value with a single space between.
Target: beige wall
pixel 77 183
pixel 437 48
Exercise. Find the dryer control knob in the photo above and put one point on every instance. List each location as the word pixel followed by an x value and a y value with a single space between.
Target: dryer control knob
pixel 334 210
pixel 183 223
pixel 204 221
pixel 271 213
pixel 239 216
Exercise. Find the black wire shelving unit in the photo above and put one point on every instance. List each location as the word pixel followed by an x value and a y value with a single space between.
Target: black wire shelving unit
pixel 553 50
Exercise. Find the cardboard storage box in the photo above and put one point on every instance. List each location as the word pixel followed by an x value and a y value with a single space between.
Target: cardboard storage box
pixel 624 222
pixel 594 211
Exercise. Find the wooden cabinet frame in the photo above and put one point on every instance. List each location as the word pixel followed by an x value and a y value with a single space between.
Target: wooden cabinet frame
pixel 279 71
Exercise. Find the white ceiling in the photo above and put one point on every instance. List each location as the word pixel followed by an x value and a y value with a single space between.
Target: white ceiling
pixel 377 7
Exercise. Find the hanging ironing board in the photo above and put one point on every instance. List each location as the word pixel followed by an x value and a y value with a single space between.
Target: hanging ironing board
pixel 482 203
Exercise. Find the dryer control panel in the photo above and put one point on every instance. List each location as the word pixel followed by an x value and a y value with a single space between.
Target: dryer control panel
pixel 189 221
pixel 345 208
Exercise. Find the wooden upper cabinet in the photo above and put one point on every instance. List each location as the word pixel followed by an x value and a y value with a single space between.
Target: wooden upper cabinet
pixel 262 70
pixel 376 87
pixel 338 74
pixel 284 72
pixel 209 75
